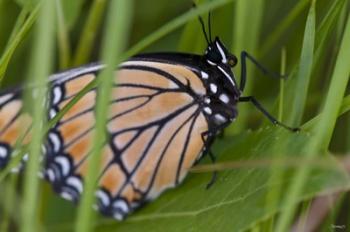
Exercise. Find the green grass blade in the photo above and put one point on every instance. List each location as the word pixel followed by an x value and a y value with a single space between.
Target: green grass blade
pixel 11 203
pixel 282 27
pixel 19 23
pixel 324 128
pixel 89 34
pixel 117 28
pixel 323 32
pixel 6 56
pixel 325 27
pixel 246 35
pixel 63 38
pixel 42 60
pixel 305 68
pixel 345 107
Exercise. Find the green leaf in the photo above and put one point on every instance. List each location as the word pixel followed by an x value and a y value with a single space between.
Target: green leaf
pixel 235 202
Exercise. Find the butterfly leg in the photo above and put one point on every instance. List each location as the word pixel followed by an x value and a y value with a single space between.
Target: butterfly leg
pixel 267 114
pixel 207 143
pixel 265 71
pixel 215 173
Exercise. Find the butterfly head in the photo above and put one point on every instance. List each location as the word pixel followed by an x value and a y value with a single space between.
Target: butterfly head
pixel 217 54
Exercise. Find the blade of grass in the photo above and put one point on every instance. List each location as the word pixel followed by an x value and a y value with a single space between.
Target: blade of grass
pixel 305 68
pixel 345 107
pixel 276 172
pixel 42 61
pixel 325 27
pixel 62 37
pixel 22 32
pixel 88 35
pixel 323 32
pixel 246 34
pixel 117 28
pixel 19 23
pixel 247 37
pixel 324 129
pixel 9 204
pixel 282 26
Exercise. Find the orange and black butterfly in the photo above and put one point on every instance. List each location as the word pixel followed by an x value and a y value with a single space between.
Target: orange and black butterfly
pixel 164 113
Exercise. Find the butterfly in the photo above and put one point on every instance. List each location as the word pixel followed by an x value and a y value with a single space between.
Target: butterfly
pixel 165 112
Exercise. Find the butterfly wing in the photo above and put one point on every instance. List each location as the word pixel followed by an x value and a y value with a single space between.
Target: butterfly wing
pixel 15 124
pixel 155 127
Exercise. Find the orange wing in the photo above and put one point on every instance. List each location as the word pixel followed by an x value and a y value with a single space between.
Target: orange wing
pixel 155 128
pixel 14 125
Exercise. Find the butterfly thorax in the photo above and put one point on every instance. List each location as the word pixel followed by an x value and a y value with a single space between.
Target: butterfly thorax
pixel 220 102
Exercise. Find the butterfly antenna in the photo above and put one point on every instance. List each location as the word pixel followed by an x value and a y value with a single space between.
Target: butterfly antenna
pixel 209 26
pixel 203 29
pixel 208 39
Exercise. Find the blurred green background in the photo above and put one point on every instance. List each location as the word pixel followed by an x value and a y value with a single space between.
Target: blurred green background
pixel 263 28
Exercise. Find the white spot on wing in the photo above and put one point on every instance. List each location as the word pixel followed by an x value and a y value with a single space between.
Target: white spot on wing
pixel 51 175
pixel 52 113
pixel 25 157
pixel 118 216
pixel 75 183
pixel 5 98
pixel 57 95
pixel 64 163
pixel 207 110
pixel 204 75
pixel 103 197
pixel 219 118
pixel 224 98
pixel 3 152
pixel 121 205
pixel 55 141
pixel 67 196
pixel 213 88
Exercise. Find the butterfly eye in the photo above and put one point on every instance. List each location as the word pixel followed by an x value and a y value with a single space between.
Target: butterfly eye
pixel 232 61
